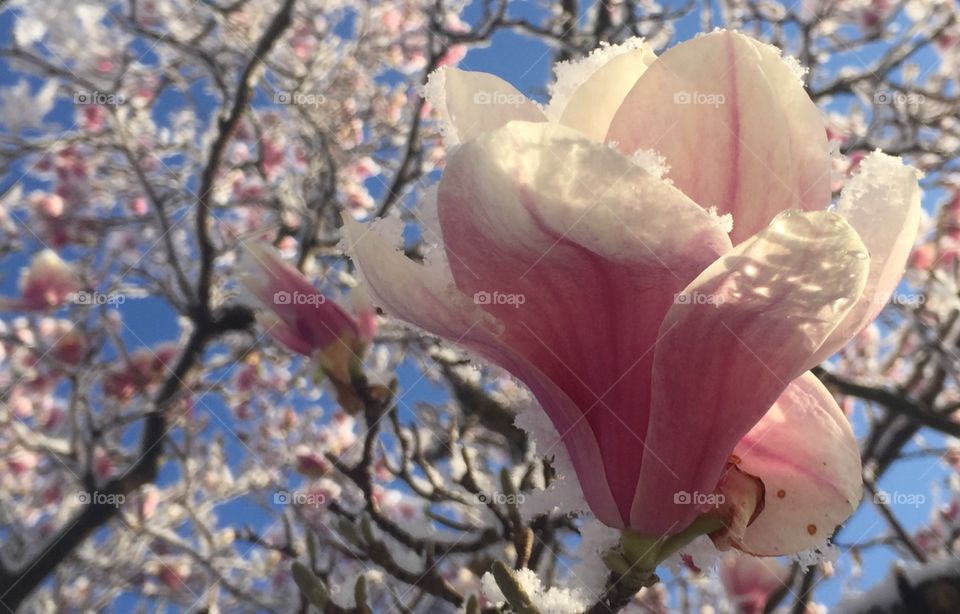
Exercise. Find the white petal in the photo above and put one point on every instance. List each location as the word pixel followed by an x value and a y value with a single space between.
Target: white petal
pixel 588 92
pixel 471 103
pixel 882 203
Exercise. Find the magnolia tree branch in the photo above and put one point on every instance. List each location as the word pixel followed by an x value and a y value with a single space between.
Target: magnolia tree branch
pixel 17 584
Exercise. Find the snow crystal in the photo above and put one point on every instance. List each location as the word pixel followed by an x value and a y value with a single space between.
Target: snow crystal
pixel 589 574
pixel 886 594
pixel 551 601
pixel 651 161
pixel 435 92
pixel 878 175
pixel 429 217
pixel 798 69
pixel 565 492
pixel 726 220
pixel 825 552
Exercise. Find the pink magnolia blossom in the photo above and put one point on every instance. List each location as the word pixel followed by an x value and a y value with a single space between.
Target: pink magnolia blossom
pixel 297 314
pixel 666 324
pixel 47 283
pixel 300 317
pixel 750 581
pixel 146 368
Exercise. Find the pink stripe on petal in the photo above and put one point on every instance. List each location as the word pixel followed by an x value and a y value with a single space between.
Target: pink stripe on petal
pixel 735 126
pixel 747 327
pixel 577 252
pixel 425 296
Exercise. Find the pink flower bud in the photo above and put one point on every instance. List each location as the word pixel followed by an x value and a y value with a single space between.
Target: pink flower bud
pixel 47 283
pixel 298 315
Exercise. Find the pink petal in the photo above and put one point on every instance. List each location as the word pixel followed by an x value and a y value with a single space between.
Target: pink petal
pixel 736 127
pixel 588 92
pixel 292 339
pixel 805 452
pixel 749 580
pixel 472 103
pixel 425 295
pixel 882 203
pixel 46 283
pixel 577 252
pixel 745 329
pixel 298 315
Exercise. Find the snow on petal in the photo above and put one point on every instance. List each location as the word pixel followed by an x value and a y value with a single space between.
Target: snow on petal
pixel 736 127
pixel 472 103
pixel 805 453
pixel 426 296
pixel 588 92
pixel 578 253
pixel 882 203
pixel 739 334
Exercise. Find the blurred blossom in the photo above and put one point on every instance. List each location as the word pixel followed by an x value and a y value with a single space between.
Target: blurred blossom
pixel 46 283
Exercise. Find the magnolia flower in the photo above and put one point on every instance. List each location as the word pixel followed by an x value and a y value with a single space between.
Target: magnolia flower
pixel 301 318
pixel 749 581
pixel 144 368
pixel 666 324
pixel 47 283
